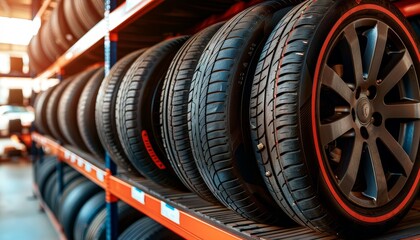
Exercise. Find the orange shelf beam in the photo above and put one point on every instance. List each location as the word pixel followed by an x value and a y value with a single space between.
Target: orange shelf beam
pixel 182 223
pixel 83 166
pixel 178 221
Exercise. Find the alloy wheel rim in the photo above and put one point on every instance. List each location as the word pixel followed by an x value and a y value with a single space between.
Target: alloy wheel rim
pixel 368 106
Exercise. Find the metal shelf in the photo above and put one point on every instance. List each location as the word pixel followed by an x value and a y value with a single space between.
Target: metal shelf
pixel 184 213
pixel 188 215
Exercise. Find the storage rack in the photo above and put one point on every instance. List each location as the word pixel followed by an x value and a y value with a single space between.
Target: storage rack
pixel 184 213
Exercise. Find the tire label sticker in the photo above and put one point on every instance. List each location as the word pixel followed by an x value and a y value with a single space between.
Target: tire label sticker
pixel 66 154
pixel 79 162
pixel 88 167
pixel 100 175
pixel 137 195
pixel 169 212
pixel 73 158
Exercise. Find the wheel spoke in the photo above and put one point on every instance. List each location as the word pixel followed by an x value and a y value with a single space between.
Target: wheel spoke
pixel 349 178
pixel 353 40
pixel 334 82
pixel 375 49
pixel 403 110
pixel 396 149
pixel 331 131
pixel 396 74
pixel 375 176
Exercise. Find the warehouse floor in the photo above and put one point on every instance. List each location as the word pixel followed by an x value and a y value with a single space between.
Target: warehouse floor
pixel 20 214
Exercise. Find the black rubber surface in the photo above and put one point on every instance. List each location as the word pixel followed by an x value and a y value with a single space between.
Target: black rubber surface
pixel 49 196
pixel 48 46
pixel 174 112
pixel 220 134
pixel 74 197
pixel 87 12
pixel 60 29
pixel 38 166
pixel 41 116
pixel 52 110
pixel 137 112
pixel 67 109
pixel 51 48
pixel 45 171
pixel 73 21
pixel 86 115
pixel 38 57
pixel 126 216
pixel 87 213
pixel 148 229
pixel 56 196
pixel 105 112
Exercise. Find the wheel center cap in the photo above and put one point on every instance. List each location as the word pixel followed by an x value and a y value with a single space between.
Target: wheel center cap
pixel 364 110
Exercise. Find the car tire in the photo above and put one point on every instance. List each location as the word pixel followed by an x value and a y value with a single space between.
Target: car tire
pixel 41 116
pixel 67 109
pixel 86 115
pixel 174 113
pixel 87 214
pixel 52 109
pixel 105 115
pixel 137 112
pixel 219 126
pixel 147 228
pixel 326 106
pixel 74 197
pixel 126 216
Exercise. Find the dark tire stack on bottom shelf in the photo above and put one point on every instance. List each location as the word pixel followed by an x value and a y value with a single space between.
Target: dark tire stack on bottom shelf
pixel 82 211
pixel 287 111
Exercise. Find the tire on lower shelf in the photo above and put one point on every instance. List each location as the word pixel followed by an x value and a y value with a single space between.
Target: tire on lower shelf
pixel 220 131
pixel 52 182
pixel 147 228
pixel 67 109
pixel 38 165
pixel 45 171
pixel 126 216
pixel 74 197
pixel 174 113
pixel 87 214
pixel 137 112
pixel 328 109
pixel 105 118
pixel 56 196
pixel 86 115
pixel 52 110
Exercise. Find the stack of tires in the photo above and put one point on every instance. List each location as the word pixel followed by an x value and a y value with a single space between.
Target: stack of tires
pixel 288 111
pixel 81 208
pixel 68 22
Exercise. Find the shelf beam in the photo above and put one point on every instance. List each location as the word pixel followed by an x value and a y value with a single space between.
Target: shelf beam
pixel 181 222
